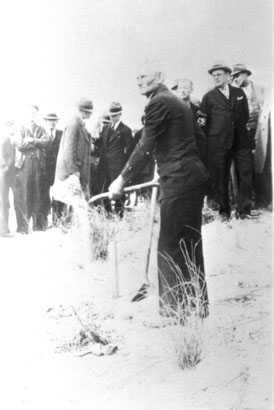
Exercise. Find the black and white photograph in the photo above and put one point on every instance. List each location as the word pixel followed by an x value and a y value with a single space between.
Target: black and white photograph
pixel 136 216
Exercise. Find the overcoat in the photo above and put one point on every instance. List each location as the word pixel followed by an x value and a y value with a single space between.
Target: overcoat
pixel 30 176
pixel 74 153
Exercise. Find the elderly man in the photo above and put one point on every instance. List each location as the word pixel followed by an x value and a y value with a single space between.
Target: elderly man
pixel 183 89
pixel 115 147
pixel 30 176
pixel 51 121
pixel 168 133
pixel 226 112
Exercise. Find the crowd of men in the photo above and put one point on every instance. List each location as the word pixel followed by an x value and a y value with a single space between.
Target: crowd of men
pixel 200 149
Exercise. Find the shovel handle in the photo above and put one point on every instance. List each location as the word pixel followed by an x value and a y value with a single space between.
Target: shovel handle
pixel 131 188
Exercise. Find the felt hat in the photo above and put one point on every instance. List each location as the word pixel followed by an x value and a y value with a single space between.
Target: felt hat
pixel 115 108
pixel 219 65
pixel 51 116
pixel 85 105
pixel 240 68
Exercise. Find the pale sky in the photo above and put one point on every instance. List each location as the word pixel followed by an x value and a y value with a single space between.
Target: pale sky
pixel 56 51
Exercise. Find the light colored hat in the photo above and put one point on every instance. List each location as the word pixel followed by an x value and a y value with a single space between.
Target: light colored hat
pixel 219 65
pixel 85 105
pixel 240 68
pixel 115 108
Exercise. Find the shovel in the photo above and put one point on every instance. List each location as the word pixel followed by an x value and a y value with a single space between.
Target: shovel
pixel 131 188
pixel 142 292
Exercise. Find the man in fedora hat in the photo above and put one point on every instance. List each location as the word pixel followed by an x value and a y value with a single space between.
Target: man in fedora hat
pixel 115 147
pixel 256 96
pixel 75 148
pixel 95 181
pixel 226 112
pixel 51 121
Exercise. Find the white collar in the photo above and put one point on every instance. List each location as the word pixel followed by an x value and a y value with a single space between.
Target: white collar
pixel 116 125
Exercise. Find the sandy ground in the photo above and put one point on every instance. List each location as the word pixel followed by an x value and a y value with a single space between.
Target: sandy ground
pixel 50 292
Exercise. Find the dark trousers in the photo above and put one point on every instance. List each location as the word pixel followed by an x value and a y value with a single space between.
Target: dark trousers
pixel 219 168
pixel 31 197
pixel 180 249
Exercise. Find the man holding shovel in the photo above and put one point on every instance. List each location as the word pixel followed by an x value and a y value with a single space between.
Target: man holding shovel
pixel 168 133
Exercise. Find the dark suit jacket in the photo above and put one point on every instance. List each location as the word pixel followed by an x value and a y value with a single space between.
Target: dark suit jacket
pixel 74 153
pixel 169 134
pixel 115 147
pixel 226 119
pixel 52 152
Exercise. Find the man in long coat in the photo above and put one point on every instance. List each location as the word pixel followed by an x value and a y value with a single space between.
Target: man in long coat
pixel 115 147
pixel 30 176
pixel 168 133
pixel 75 148
pixel 226 112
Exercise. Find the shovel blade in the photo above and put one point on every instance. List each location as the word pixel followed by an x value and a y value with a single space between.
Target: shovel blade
pixel 141 294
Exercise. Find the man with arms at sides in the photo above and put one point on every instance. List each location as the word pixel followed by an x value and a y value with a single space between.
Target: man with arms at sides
pixel 226 112
pixel 257 99
pixel 183 89
pixel 51 121
pixel 168 133
pixel 115 147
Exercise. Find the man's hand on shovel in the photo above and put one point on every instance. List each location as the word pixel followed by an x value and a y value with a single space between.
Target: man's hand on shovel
pixel 116 188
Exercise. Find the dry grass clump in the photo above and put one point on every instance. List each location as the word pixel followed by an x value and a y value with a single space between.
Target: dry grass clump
pixel 103 229
pixel 186 316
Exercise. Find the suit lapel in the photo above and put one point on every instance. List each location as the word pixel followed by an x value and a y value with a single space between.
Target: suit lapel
pixel 221 97
pixel 114 133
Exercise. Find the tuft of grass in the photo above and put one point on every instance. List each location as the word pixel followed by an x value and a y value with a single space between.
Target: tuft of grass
pixel 103 229
pixel 186 314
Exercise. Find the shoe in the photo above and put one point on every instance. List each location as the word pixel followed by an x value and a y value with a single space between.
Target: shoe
pixel 248 216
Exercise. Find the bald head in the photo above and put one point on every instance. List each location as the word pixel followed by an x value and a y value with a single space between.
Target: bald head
pixel 184 88
pixel 149 77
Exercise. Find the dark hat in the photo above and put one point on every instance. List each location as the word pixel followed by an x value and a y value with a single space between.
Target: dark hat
pixel 105 117
pixel 240 68
pixel 85 105
pixel 175 84
pixel 115 108
pixel 51 116
pixel 219 65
